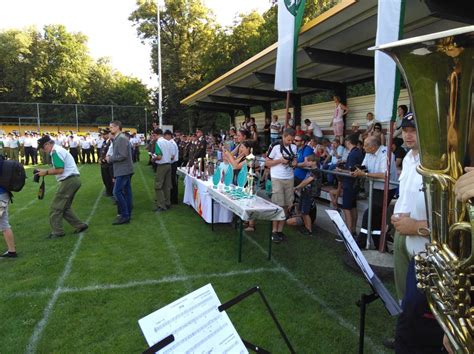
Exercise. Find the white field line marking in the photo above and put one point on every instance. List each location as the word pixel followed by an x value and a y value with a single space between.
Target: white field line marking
pixel 139 283
pixel 40 326
pixel 34 200
pixel 164 231
pixel 169 279
pixel 325 307
pixel 32 293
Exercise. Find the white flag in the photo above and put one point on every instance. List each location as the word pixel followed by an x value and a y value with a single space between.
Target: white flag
pixel 387 81
pixel 290 15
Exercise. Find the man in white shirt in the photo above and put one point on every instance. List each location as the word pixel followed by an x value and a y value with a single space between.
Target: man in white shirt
pixel 281 161
pixel 333 159
pixel 410 222
pixel 313 129
pixel 163 156
pixel 376 163
pixel 174 167
pixel 275 129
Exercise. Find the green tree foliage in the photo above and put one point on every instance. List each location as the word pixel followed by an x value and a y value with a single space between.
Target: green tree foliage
pixel 196 50
pixel 54 65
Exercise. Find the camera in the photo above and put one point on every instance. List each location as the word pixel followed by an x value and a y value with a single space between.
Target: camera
pixel 36 177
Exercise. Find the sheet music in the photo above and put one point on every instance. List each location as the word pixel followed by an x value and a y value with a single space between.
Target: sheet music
pixel 196 324
pixel 353 247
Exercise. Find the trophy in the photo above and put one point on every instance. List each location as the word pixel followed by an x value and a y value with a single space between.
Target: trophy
pixel 251 175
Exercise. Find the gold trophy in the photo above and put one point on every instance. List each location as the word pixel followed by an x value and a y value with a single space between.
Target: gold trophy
pixel 438 70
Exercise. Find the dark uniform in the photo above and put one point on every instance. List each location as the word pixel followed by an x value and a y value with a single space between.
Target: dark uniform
pixel 106 169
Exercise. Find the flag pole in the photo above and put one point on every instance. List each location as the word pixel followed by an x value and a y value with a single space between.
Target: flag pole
pixel 287 108
pixel 158 40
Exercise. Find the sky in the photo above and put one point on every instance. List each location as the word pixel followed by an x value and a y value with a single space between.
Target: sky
pixel 106 24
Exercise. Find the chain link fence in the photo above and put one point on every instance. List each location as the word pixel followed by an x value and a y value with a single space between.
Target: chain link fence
pixel 41 117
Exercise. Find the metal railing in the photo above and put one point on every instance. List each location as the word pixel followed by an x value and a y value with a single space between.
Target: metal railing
pixel 371 181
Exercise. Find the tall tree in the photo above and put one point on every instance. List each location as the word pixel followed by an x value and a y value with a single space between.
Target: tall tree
pixel 187 31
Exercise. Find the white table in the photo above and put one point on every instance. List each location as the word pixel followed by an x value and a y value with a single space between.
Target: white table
pixel 196 195
pixel 255 209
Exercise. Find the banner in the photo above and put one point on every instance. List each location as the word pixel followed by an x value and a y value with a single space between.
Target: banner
pixel 387 78
pixel 290 15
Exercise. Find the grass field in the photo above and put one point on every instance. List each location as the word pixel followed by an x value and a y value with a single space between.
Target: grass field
pixel 85 293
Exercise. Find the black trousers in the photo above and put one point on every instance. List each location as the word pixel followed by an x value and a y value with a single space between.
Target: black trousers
pixel 417 331
pixel 377 207
pixel 107 174
pixel 30 152
pixel 86 153
pixel 74 154
pixel 174 183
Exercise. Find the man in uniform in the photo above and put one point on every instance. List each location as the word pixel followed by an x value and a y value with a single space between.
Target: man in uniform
pixel 201 145
pixel 106 169
pixel 67 174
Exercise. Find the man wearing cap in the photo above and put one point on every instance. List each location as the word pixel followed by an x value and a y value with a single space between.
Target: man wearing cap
pixel 417 330
pixel 67 174
pixel 201 145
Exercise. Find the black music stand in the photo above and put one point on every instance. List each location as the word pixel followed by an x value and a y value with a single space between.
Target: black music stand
pixel 164 342
pixel 379 291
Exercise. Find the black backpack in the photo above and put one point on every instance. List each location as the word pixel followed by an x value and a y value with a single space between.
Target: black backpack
pixel 12 175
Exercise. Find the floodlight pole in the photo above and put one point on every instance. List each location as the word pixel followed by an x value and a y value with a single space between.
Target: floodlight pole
pixel 158 40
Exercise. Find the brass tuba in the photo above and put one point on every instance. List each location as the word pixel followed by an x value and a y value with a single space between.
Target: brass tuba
pixel 438 70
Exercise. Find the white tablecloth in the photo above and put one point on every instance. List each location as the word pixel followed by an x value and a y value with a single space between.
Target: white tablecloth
pixel 256 209
pixel 196 194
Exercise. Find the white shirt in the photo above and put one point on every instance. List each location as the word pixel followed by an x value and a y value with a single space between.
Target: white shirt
pixel 167 150
pixel 317 131
pixel 275 128
pixel 61 158
pixel 412 200
pixel 340 152
pixel 281 171
pixel 175 153
pixel 377 163
pixel 85 144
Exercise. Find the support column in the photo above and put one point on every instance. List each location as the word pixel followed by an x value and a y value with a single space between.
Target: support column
pixel 268 110
pixel 232 118
pixel 296 102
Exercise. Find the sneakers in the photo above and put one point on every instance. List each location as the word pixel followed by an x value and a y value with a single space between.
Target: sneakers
pixel 9 254
pixel 276 238
pixel 120 221
pixel 338 239
pixel 53 236
pixel 306 232
pixel 82 228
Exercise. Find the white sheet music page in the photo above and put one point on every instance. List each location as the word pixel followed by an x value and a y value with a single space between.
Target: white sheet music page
pixel 354 248
pixel 196 323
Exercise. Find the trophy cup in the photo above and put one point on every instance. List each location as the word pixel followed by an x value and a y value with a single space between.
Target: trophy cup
pixel 251 175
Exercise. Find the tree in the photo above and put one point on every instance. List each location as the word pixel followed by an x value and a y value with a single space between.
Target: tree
pixel 60 62
pixel 187 31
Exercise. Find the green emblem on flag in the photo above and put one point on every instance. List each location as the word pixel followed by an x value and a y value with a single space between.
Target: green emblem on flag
pixel 293 6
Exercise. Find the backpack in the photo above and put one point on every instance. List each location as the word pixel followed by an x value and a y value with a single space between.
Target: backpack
pixel 12 175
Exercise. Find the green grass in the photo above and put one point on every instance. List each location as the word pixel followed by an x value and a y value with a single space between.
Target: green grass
pixel 310 289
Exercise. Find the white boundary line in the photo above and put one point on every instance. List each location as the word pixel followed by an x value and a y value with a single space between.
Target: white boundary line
pixel 169 279
pixel 40 326
pixel 164 231
pixel 324 306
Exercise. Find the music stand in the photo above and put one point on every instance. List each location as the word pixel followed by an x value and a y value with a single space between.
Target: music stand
pixel 221 309
pixel 379 291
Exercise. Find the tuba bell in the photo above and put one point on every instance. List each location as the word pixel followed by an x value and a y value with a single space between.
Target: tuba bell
pixel 438 71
